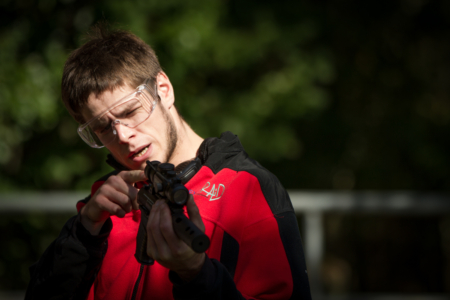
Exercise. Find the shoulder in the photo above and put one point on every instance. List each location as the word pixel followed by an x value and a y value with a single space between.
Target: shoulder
pixel 227 152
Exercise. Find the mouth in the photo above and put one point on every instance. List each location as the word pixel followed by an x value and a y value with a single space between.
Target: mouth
pixel 139 153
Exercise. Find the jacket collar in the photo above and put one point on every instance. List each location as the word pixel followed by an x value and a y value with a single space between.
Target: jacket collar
pixel 227 143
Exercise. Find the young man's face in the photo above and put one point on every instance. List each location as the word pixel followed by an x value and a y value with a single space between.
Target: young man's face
pixel 154 139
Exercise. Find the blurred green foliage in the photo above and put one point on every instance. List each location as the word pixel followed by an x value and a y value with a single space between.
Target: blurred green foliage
pixel 327 95
pixel 233 67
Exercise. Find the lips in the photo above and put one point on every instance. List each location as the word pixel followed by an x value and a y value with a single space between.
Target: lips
pixel 139 153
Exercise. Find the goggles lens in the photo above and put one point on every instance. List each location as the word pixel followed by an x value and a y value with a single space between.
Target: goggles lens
pixel 130 111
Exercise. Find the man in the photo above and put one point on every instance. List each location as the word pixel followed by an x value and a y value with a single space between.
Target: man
pixel 114 87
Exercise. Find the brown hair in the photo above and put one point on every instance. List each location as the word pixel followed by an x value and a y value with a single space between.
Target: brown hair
pixel 108 60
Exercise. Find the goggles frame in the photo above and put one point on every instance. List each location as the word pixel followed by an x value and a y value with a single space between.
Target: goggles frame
pixel 90 137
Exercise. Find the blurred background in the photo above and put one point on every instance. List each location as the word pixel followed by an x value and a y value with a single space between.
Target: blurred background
pixel 336 98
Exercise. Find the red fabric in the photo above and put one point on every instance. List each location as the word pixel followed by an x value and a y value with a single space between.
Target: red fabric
pixel 229 201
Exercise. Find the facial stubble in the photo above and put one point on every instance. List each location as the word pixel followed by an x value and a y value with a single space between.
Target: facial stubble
pixel 172 136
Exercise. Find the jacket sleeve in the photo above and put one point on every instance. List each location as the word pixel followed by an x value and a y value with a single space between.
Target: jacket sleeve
pixel 68 267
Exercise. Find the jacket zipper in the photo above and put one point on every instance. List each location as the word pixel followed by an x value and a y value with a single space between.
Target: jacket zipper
pixel 136 285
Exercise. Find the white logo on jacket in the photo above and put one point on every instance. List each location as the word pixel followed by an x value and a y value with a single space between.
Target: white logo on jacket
pixel 214 194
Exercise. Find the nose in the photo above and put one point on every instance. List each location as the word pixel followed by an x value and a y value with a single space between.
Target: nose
pixel 123 133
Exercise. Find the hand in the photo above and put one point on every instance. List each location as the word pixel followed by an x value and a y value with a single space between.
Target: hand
pixel 164 246
pixel 117 196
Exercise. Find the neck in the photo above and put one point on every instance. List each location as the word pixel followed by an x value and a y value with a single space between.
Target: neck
pixel 187 144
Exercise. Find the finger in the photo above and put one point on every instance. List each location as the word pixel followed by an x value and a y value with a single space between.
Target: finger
pixel 112 208
pixel 155 229
pixel 131 190
pixel 109 193
pixel 124 195
pixel 122 187
pixel 194 213
pixel 132 176
pixel 175 244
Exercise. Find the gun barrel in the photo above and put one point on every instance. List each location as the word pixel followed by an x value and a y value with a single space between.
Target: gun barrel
pixel 189 232
pixel 171 189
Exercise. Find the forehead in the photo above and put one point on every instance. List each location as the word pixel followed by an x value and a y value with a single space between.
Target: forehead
pixel 97 104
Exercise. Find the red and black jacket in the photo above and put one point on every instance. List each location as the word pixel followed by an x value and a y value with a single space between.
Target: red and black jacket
pixel 255 252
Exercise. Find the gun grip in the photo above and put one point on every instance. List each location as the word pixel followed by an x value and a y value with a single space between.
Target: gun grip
pixel 141 239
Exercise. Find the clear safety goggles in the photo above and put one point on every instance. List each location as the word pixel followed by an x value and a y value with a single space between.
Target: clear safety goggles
pixel 129 111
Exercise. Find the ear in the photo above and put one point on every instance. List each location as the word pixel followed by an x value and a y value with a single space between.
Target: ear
pixel 165 90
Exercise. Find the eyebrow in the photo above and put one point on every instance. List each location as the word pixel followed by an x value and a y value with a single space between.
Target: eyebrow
pixel 100 122
pixel 123 107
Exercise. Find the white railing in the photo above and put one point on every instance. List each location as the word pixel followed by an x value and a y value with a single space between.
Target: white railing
pixel 314 204
pixel 311 204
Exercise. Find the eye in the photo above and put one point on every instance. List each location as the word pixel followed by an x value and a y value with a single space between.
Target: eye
pixel 127 110
pixel 133 111
pixel 105 129
pixel 101 129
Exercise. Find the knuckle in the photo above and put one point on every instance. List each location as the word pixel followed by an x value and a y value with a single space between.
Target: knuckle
pixel 152 225
pixel 111 178
pixel 101 190
pixel 100 202
pixel 98 197
pixel 178 252
pixel 125 199
pixel 164 257
pixel 104 208
pixel 114 179
pixel 165 226
pixel 149 227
